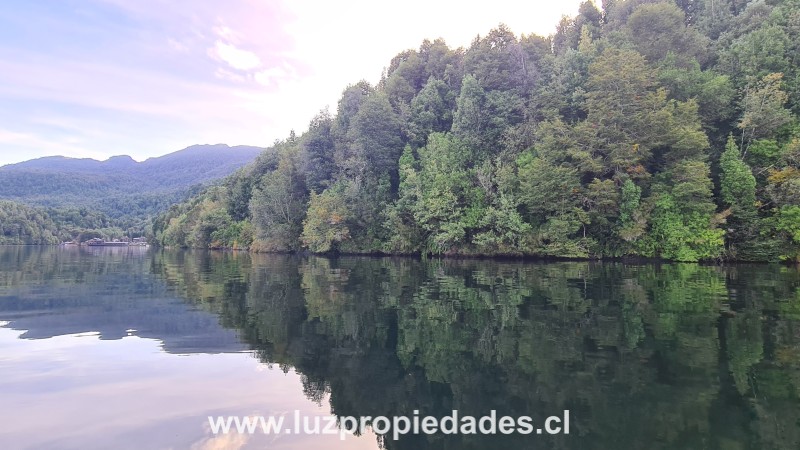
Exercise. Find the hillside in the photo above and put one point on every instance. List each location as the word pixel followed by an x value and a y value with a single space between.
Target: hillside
pixel 646 128
pixel 125 190
pixel 24 225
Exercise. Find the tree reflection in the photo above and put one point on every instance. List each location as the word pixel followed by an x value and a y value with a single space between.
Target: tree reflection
pixel 647 356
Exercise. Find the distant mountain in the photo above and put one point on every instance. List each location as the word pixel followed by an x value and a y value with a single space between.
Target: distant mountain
pixel 121 187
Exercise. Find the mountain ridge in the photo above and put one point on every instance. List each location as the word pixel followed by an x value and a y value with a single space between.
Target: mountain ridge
pixel 124 189
pixel 123 158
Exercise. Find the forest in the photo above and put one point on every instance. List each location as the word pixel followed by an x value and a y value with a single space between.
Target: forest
pixel 80 199
pixel 645 129
pixel 21 224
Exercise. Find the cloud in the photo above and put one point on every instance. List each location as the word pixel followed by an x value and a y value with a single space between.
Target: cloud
pixel 177 45
pixel 274 75
pixel 149 77
pixel 227 34
pixel 235 57
pixel 233 441
pixel 224 74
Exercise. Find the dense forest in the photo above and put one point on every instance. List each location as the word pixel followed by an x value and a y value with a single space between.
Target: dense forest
pixel 26 225
pixel 127 193
pixel 652 129
pixel 21 224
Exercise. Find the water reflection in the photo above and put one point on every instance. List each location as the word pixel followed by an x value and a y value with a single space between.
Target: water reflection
pixel 655 356
pixel 98 352
pixel 107 290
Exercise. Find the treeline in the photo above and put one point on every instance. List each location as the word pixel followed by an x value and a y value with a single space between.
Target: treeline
pixel 118 196
pixel 131 194
pixel 653 129
pixel 21 224
pixel 25 225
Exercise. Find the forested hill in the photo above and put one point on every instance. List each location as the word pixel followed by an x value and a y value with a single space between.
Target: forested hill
pixel 23 225
pixel 125 190
pixel 657 129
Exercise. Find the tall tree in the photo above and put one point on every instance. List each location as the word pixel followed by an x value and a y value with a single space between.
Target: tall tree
pixel 621 104
pixel 318 148
pixel 683 225
pixel 764 110
pixel 738 192
pixel 375 134
pixel 659 29
pixel 349 105
pixel 278 205
pixel 431 111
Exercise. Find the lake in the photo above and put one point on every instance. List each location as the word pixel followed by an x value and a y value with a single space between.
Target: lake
pixel 133 348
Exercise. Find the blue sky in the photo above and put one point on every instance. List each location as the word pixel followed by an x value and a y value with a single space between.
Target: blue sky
pixel 99 78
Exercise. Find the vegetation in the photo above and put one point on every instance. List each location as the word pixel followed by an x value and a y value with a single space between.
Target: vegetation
pixel 118 193
pixel 653 129
pixel 20 224
pixel 25 225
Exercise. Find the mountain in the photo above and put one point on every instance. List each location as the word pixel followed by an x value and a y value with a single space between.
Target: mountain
pixel 120 187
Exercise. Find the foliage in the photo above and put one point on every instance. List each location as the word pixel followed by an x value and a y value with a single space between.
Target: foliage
pixel 325 226
pixel 20 224
pixel 127 193
pixel 278 205
pixel 605 139
pixel 738 192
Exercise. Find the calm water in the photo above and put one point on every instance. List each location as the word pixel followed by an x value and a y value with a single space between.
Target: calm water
pixel 134 348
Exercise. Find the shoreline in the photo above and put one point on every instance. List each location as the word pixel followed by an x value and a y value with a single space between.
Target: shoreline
pixel 507 258
pixel 451 256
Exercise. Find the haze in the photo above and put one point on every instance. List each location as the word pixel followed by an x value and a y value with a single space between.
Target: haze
pixel 108 77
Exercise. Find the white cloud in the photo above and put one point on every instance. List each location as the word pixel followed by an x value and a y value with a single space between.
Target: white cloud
pixel 227 34
pixel 274 75
pixel 268 76
pixel 234 56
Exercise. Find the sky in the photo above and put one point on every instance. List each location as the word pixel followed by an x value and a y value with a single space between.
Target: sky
pixel 99 78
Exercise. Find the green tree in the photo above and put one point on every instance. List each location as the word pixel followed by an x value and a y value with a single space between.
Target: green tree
pixel 431 111
pixel 683 227
pixel 714 93
pixel 278 205
pixel 788 224
pixel 24 225
pixel 469 120
pixel 446 203
pixel 621 105
pixel 498 62
pixel 764 110
pixel 550 198
pixel 632 222
pixel 659 29
pixel 349 105
pixel 738 192
pixel 325 225
pixel 376 138
pixel 318 152
pixel 737 183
